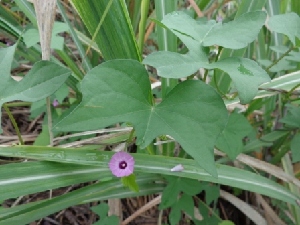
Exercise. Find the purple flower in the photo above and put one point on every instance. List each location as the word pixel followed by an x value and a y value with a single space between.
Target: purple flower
pixel 121 164
pixel 55 103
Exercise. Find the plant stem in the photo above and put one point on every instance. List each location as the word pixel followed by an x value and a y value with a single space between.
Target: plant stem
pixel 280 58
pixel 292 90
pixel 14 123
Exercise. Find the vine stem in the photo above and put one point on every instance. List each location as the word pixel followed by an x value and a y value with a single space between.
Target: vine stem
pixel 280 58
pixel 14 123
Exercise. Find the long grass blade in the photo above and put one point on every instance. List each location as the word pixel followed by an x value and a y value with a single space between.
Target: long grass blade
pixel 158 164
pixel 115 37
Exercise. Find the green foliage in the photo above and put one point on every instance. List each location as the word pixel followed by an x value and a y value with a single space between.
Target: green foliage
pixel 41 81
pixel 208 217
pixel 172 197
pixel 292 118
pixel 189 103
pixel 130 182
pixel 288 24
pixel 186 204
pixel 295 143
pixel 212 192
pixel 175 187
pixel 230 140
pixel 191 111
pixel 245 73
pixel 115 37
pixel 31 36
pixel 102 210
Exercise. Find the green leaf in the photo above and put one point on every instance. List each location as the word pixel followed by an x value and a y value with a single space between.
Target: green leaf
pixel 130 182
pixel 230 140
pixel 43 138
pixel 288 24
pixel 189 186
pixel 292 118
pixel 175 215
pixel 186 204
pixel 31 36
pixel 286 83
pixel 6 59
pixel 40 176
pixel 208 217
pixel 101 210
pixel 295 143
pixel 111 220
pixel 175 186
pixel 175 65
pixel 274 135
pixel 41 81
pixel 125 96
pixel 115 38
pixel 238 33
pixel 95 192
pixel 211 33
pixel 222 79
pixel 265 141
pixel 170 193
pixel 212 192
pixel 246 75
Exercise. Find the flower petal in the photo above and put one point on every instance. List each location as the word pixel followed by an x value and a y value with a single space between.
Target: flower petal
pixel 116 159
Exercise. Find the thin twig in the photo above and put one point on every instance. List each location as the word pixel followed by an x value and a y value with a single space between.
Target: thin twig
pixel 280 58
pixel 143 209
pixel 196 8
pixel 149 31
pixel 110 130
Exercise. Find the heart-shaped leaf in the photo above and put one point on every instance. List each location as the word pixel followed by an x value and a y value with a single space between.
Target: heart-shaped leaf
pixel 246 74
pixel 41 81
pixel 119 91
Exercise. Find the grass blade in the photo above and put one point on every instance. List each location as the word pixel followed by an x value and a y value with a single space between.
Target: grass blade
pixel 159 164
pixel 95 192
pixel 115 38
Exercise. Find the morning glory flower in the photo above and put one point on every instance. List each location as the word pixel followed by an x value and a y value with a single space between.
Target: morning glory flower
pixel 55 103
pixel 121 164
